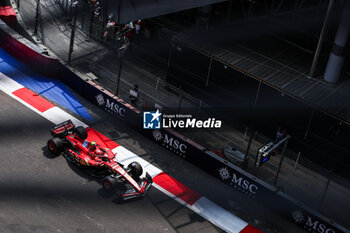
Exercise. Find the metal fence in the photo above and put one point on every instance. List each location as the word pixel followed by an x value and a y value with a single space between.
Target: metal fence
pixel 155 90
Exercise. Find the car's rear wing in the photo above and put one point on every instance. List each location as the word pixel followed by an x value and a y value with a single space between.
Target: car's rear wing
pixel 62 128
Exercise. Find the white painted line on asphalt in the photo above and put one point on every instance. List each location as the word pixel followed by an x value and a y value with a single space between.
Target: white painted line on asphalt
pixel 218 216
pixel 54 114
pixel 57 116
pixel 172 196
pixel 125 156
pixel 212 212
pixel 8 85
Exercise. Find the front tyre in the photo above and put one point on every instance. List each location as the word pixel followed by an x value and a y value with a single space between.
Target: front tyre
pixel 135 170
pixel 55 146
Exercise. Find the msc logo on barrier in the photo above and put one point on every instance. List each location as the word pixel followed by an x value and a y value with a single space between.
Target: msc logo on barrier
pixel 110 106
pixel 298 216
pixel 309 224
pixel 170 143
pixel 152 120
pixel 238 182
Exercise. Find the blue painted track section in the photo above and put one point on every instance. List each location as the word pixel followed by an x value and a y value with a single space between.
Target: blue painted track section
pixel 52 89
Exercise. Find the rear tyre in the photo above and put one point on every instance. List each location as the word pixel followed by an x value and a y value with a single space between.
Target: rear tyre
pixel 135 170
pixel 109 184
pixel 81 132
pixel 55 146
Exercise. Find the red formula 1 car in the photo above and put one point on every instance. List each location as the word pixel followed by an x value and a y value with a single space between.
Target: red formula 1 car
pixel 70 141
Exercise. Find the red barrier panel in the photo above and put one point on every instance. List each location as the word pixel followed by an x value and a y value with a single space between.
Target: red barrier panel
pixel 7 13
pixel 21 51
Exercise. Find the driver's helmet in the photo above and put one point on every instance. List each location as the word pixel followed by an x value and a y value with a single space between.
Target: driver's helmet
pixel 93 145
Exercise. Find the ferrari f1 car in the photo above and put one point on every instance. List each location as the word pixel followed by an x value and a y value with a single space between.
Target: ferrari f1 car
pixel 125 182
